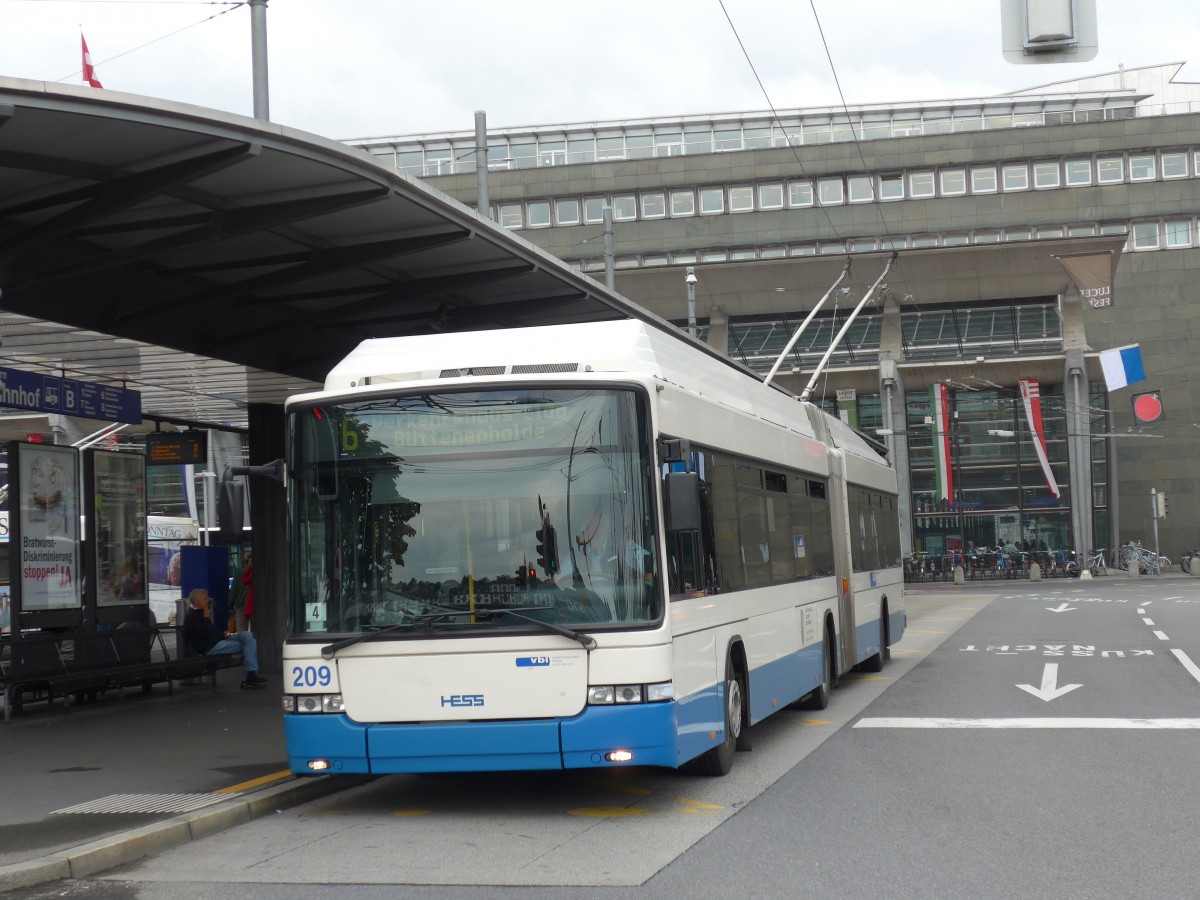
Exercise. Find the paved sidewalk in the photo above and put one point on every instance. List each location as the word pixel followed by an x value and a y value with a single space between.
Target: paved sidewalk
pixel 101 784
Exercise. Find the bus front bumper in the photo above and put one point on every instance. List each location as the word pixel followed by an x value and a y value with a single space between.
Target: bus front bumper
pixel 337 745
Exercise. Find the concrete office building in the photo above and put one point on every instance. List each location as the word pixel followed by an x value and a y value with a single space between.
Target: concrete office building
pixel 977 200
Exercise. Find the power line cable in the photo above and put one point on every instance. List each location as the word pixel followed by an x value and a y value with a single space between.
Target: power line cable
pixel 231 7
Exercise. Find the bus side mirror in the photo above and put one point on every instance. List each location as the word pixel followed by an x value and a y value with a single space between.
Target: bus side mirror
pixel 231 505
pixel 683 501
pixel 673 450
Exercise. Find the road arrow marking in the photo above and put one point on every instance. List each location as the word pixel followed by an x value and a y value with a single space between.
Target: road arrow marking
pixel 1062 607
pixel 1049 689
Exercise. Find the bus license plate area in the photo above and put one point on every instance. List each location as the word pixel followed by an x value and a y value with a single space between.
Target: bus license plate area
pixel 441 688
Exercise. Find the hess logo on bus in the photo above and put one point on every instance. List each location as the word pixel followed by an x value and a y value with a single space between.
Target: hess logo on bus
pixel 459 700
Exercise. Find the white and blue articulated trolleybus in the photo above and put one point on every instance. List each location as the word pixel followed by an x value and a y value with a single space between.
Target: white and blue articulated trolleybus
pixel 572 546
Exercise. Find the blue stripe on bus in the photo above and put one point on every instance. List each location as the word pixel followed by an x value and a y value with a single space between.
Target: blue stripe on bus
pixel 645 729
pixel 333 738
pixel 465 746
pixel 784 681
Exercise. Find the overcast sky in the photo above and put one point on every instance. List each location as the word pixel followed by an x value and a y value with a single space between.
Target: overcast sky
pixel 359 68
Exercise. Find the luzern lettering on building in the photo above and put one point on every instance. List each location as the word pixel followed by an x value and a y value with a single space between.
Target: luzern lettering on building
pixel 69 397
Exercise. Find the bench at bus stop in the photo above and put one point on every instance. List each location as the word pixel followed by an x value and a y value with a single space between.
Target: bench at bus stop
pixel 43 666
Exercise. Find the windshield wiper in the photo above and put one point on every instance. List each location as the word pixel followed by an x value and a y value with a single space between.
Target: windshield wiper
pixel 427 618
pixel 588 642
pixel 329 651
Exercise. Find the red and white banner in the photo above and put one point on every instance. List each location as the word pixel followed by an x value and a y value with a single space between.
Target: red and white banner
pixel 943 470
pixel 89 71
pixel 1031 397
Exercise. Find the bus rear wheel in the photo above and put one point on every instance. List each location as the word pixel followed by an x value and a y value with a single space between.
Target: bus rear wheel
pixel 874 663
pixel 818 698
pixel 719 760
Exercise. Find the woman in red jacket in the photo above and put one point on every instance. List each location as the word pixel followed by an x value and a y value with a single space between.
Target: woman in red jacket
pixel 247 608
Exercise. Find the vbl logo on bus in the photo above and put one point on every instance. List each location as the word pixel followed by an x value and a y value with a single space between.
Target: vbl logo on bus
pixel 463 700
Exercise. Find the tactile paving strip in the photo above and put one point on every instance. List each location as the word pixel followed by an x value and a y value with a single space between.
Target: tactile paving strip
pixel 144 803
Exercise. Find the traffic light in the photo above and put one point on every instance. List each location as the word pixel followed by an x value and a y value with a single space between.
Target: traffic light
pixel 1148 408
pixel 547 549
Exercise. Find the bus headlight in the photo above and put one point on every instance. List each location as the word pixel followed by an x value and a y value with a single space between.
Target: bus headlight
pixel 656 693
pixel 308 703
pixel 313 703
pixel 604 694
pixel 598 695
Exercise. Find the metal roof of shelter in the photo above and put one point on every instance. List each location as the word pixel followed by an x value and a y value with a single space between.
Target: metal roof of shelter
pixel 211 260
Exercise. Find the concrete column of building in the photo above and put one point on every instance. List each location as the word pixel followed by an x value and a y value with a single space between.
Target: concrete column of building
pixel 1078 418
pixel 1075 394
pixel 268 524
pixel 895 417
pixel 895 411
pixel 718 329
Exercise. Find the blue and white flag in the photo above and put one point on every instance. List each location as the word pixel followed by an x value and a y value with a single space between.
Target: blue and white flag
pixel 1122 366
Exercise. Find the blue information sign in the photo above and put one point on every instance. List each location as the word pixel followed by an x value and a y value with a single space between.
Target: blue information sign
pixel 68 397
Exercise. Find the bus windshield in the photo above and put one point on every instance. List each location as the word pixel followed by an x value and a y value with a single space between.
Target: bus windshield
pixel 464 504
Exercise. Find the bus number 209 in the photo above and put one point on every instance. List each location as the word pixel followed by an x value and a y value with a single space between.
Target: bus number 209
pixel 311 676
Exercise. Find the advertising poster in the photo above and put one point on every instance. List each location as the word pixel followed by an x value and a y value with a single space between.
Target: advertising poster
pixel 167 536
pixel 120 546
pixel 49 528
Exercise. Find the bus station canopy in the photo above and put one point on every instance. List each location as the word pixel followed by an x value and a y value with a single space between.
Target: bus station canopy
pixel 235 260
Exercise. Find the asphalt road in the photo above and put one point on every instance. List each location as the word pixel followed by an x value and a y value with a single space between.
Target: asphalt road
pixel 1026 740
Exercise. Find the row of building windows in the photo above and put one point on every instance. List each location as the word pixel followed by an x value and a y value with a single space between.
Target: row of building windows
pixel 803 193
pixel 944 332
pixel 1150 234
pixel 446 156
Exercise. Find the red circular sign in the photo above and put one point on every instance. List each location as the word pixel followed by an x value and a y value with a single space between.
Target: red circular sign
pixel 1147 408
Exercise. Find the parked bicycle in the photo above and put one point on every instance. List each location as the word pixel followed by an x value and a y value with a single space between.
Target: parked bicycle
pixel 1147 561
pixel 1096 564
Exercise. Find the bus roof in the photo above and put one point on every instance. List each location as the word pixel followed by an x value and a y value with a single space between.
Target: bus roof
pixel 627 347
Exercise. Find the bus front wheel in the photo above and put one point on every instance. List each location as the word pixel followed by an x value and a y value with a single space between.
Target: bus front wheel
pixel 719 760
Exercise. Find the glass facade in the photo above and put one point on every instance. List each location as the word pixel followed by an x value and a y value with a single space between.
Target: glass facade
pixel 1001 494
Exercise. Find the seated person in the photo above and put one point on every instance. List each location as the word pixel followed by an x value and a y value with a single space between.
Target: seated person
pixel 207 640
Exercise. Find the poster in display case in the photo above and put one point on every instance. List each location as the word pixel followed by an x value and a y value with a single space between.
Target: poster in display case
pixel 117 527
pixel 46 546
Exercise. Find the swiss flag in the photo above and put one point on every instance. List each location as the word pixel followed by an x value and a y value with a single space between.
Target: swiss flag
pixel 89 71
